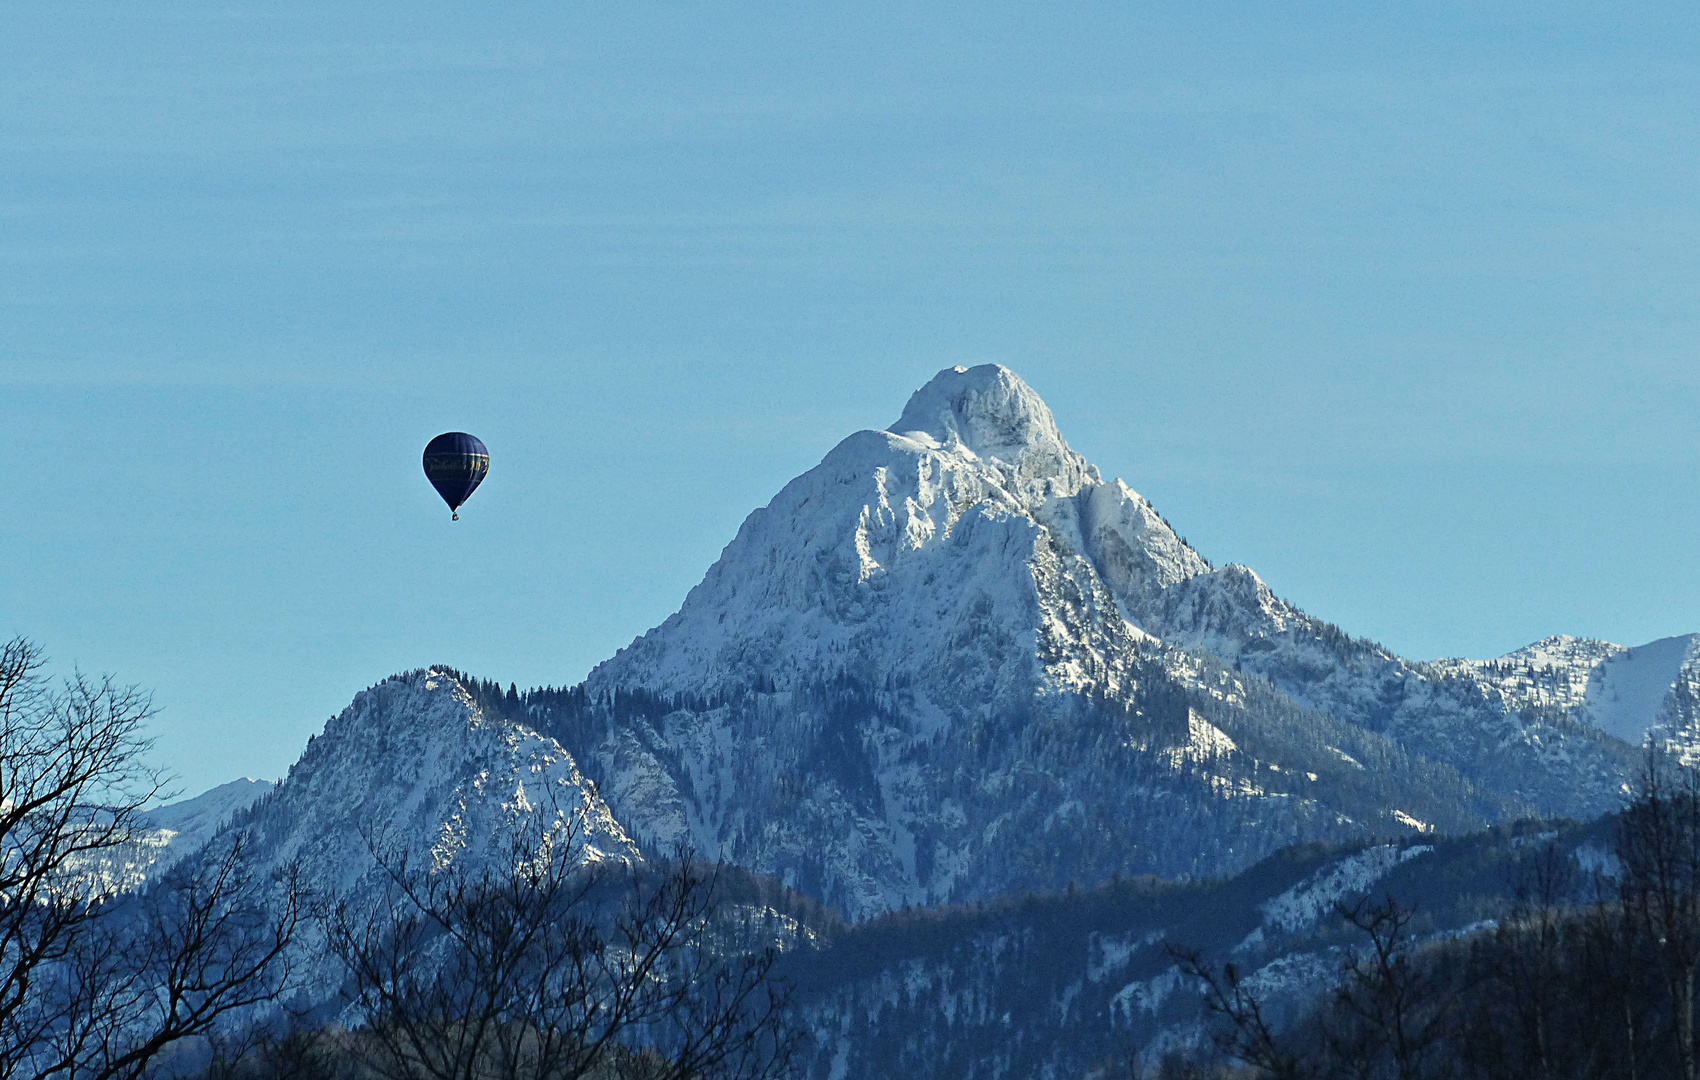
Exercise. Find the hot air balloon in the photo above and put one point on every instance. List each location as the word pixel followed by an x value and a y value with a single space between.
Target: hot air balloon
pixel 455 463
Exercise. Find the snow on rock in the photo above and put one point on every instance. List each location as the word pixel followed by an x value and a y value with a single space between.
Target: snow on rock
pixel 1595 860
pixel 1301 906
pixel 1347 758
pixel 1134 551
pixel 1205 742
pixel 1149 995
pixel 1294 975
pixel 1412 823
pixel 1110 953
pixel 988 413
pixel 414 765
pixel 1625 692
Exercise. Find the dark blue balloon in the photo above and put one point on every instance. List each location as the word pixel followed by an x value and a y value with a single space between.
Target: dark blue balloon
pixel 455 463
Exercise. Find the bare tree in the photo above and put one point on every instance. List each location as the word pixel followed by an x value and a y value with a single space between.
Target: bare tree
pixel 1246 1033
pixel 1391 1014
pixel 71 785
pixel 287 1051
pixel 96 981
pixel 530 965
pixel 204 942
pixel 1522 969
pixel 1659 850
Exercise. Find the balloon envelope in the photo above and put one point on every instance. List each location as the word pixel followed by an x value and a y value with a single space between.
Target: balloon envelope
pixel 455 463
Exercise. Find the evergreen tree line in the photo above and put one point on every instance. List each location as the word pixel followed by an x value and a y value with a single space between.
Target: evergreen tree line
pixel 1588 975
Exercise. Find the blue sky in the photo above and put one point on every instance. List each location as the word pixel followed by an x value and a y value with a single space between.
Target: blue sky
pixel 1395 303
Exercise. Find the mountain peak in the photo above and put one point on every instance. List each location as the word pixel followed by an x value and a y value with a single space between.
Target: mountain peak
pixel 989 414
pixel 987 409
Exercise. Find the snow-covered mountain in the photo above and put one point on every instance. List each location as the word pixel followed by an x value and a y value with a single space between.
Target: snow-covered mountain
pixel 953 661
pixel 1626 692
pixel 179 829
pixel 417 765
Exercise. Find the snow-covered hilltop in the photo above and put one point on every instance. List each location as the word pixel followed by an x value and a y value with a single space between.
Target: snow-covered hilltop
pixel 858 565
pixel 416 764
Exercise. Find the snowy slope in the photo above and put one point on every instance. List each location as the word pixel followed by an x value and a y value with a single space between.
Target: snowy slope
pixel 1628 688
pixel 1555 761
pixel 166 835
pixel 1625 692
pixel 179 829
